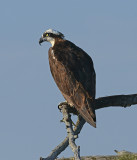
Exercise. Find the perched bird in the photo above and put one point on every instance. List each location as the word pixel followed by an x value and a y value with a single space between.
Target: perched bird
pixel 73 71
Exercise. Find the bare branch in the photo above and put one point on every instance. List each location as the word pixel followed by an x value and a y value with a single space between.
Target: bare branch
pixel 116 100
pixel 64 144
pixel 69 128
pixel 102 102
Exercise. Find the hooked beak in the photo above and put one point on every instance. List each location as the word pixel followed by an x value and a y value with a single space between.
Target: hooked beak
pixel 42 40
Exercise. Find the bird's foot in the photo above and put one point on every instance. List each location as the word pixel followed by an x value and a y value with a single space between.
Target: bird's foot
pixel 61 104
pixel 71 109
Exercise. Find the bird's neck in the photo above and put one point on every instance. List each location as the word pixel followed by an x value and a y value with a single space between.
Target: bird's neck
pixel 57 41
pixel 52 42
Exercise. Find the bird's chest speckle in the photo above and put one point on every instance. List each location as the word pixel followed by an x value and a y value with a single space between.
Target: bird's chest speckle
pixel 53 61
pixel 53 55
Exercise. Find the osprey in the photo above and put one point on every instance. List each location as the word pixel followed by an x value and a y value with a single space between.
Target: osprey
pixel 73 71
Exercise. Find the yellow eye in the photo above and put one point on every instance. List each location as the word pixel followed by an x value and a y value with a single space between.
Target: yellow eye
pixel 47 35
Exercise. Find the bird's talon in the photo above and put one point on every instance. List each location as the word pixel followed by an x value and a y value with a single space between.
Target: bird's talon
pixel 60 104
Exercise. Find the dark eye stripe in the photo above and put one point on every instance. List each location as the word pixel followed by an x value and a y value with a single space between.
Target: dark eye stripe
pixel 44 34
pixel 53 35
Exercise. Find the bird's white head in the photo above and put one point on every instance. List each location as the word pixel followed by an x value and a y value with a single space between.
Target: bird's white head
pixel 50 35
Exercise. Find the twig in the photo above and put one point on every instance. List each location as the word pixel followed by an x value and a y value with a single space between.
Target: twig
pixel 123 152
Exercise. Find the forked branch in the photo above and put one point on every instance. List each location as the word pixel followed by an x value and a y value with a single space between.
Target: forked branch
pixel 102 102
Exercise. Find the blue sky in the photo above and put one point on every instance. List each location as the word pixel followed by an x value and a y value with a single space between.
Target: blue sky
pixel 29 118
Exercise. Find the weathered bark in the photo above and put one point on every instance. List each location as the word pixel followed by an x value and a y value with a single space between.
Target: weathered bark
pixel 103 102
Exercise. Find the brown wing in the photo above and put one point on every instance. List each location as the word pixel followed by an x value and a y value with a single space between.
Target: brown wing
pixel 74 75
